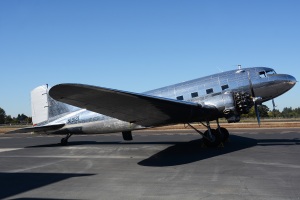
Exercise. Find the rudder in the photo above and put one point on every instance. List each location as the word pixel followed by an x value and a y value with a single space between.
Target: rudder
pixel 39 104
pixel 45 109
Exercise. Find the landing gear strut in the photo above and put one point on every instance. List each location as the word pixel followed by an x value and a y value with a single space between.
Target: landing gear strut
pixel 64 141
pixel 213 137
pixel 223 132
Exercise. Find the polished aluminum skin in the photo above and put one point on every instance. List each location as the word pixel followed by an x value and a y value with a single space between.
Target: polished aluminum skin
pixel 204 99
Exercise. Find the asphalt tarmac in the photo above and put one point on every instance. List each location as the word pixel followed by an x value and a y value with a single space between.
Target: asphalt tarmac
pixel 254 164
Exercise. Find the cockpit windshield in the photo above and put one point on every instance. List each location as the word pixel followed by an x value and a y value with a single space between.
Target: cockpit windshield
pixel 266 73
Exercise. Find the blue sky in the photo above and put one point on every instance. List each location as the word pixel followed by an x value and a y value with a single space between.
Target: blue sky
pixel 141 45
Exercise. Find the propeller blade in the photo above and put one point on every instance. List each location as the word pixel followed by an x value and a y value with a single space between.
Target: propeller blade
pixel 254 99
pixel 257 113
pixel 251 85
pixel 274 106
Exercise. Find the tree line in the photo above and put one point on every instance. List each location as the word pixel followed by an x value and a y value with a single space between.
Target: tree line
pixel 264 112
pixel 8 119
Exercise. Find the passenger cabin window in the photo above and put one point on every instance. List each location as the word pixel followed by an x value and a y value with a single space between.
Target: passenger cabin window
pixel 224 87
pixel 179 98
pixel 209 91
pixel 194 94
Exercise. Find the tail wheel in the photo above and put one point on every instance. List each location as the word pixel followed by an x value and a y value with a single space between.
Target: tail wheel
pixel 215 140
pixel 64 141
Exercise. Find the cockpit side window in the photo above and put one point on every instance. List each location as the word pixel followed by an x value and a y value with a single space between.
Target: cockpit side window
pixel 270 72
pixel 264 74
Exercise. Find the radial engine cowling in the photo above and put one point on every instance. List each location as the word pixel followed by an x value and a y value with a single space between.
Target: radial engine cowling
pixel 231 104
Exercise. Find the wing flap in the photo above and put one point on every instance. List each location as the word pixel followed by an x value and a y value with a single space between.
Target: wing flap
pixel 145 110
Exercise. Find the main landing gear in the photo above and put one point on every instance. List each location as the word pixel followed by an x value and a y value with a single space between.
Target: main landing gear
pixel 64 141
pixel 213 137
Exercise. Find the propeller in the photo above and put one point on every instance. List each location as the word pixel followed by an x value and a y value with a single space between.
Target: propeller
pixel 274 106
pixel 255 99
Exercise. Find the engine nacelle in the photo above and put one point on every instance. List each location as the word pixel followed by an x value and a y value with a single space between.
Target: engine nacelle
pixel 231 104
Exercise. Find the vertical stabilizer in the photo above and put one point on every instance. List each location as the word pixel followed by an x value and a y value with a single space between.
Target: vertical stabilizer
pixel 45 109
pixel 39 104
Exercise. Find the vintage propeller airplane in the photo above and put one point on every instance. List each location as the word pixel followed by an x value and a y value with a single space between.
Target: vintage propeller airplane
pixel 84 109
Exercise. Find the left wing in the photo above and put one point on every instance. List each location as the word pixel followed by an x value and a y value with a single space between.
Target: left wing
pixel 142 109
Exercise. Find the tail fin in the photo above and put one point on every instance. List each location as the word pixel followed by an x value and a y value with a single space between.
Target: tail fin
pixel 39 104
pixel 45 109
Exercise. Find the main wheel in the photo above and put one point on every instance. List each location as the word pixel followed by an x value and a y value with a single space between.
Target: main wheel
pixel 224 134
pixel 215 140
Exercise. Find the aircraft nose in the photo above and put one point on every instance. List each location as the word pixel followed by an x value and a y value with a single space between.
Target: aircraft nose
pixel 284 82
pixel 291 80
pixel 287 83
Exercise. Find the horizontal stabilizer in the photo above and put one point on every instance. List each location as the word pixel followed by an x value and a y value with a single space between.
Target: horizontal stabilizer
pixel 37 129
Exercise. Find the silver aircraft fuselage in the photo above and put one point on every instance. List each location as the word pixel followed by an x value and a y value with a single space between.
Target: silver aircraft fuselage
pixel 265 82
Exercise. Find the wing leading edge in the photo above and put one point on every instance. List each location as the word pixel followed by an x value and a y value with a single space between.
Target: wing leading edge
pixel 135 108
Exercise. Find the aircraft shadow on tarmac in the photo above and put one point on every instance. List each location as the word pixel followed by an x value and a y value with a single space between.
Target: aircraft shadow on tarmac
pixel 189 152
pixel 184 153
pixel 180 153
pixel 15 183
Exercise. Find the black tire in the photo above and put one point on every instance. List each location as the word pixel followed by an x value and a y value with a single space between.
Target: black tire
pixel 216 139
pixel 224 134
